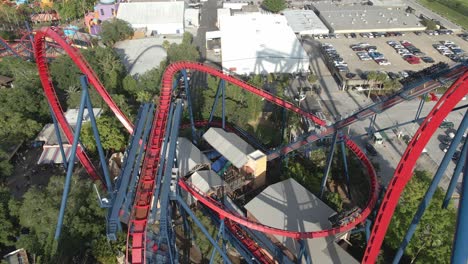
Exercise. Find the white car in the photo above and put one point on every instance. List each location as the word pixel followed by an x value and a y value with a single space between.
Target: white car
pixel 401 51
pixel 445 42
pixel 398 46
pixel 446 52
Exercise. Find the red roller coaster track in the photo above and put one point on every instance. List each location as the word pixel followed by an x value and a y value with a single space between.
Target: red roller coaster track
pixel 46 80
pixel 146 183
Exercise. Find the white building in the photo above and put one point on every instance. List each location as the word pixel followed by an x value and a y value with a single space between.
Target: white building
pixel 257 43
pixel 305 22
pixel 156 17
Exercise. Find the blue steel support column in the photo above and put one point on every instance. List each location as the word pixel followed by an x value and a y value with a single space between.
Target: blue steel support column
pixel 329 162
pixel 59 139
pixel 368 229
pixel 456 174
pixel 432 188
pixel 420 107
pixel 220 234
pixel 372 123
pixel 223 89
pixel 345 165
pixel 460 252
pixel 189 106
pixel 70 166
pixel 164 220
pixel 203 229
pixel 105 169
pixel 215 103
pixel 303 253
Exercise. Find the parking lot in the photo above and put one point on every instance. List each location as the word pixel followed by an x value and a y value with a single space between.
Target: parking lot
pixel 424 42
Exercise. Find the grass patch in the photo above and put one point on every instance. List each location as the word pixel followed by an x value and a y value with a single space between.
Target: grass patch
pixel 447 12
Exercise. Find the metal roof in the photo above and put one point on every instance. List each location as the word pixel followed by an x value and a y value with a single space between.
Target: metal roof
pixel 341 17
pixel 288 205
pixel 206 180
pixel 231 146
pixel 48 134
pixel 152 12
pixel 305 22
pixel 52 155
pixel 189 156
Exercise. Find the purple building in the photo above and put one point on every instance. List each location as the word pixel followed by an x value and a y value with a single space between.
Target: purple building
pixel 106 9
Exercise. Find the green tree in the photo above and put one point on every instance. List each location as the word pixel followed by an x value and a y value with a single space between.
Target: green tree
pixel 110 131
pixel 115 30
pixel 274 6
pixel 432 240
pixel 83 224
pixel 71 9
pixel 183 51
pixel 430 24
pixel 187 38
pixel 7 230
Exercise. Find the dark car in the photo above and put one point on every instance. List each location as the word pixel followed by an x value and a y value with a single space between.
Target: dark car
pixel 446 124
pixel 371 150
pixel 427 59
pixel 456 156
pixel 350 75
pixel 353 35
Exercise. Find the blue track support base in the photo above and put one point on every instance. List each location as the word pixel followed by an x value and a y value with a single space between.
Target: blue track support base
pixel 59 139
pixel 455 176
pixel 345 165
pixel 432 188
pixel 102 158
pixel 203 229
pixel 328 166
pixel 303 253
pixel 71 163
pixel 460 242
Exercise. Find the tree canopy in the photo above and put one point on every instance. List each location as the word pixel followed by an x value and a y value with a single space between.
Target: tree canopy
pixel 432 241
pixel 83 232
pixel 69 10
pixel 115 30
pixel 274 6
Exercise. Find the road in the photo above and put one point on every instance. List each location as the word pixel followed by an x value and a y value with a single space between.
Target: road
pixel 423 10
pixel 208 20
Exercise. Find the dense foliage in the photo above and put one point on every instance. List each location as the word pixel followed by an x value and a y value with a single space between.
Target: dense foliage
pixel 432 241
pixel 274 5
pixel 115 30
pixel 83 232
pixel 69 10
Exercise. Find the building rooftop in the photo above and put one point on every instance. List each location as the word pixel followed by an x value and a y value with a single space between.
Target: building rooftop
pixel 295 208
pixel 206 180
pixel 48 134
pixel 72 115
pixel 257 42
pixel 5 80
pixel 143 13
pixel 231 146
pixel 358 18
pixel 189 156
pixel 53 155
pixel 305 22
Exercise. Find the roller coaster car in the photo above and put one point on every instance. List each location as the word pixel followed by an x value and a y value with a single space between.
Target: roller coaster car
pixel 345 217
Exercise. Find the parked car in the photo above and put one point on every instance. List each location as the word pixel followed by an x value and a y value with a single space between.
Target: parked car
pixel 371 150
pixel 456 156
pixel 383 62
pixel 446 124
pixel 427 59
